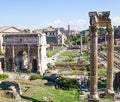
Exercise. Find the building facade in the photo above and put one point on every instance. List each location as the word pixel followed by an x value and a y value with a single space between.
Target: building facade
pixel 54 36
pixel 7 29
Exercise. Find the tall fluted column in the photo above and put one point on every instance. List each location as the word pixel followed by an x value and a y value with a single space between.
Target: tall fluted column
pixel 13 57
pixel 28 56
pixel 13 53
pixel 93 65
pixel 110 62
pixel 81 45
pixel 39 58
pixel 5 61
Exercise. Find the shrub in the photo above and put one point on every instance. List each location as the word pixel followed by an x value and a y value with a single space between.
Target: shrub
pixel 83 68
pixel 88 68
pixel 75 68
pixel 3 76
pixel 48 54
pixel 1 53
pixel 101 84
pixel 67 83
pixel 35 76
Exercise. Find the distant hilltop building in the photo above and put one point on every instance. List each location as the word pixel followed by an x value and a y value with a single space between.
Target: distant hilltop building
pixel 54 36
pixel 5 30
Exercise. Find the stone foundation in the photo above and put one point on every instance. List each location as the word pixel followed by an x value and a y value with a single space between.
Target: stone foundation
pixel 93 98
pixel 110 94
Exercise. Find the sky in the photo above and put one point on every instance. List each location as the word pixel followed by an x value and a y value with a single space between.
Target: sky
pixel 37 14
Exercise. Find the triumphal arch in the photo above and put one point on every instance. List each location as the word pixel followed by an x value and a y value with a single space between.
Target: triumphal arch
pixel 25 51
pixel 100 19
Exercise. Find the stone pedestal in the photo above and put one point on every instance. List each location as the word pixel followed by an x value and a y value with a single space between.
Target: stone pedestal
pixel 110 94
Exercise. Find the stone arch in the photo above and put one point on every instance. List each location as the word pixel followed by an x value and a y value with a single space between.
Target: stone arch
pixel 34 65
pixel 34 44
pixel 21 60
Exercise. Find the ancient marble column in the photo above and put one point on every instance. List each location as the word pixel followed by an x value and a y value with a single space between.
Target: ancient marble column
pixel 110 62
pixel 5 57
pixel 13 53
pixel 28 56
pixel 93 65
pixel 81 45
pixel 39 63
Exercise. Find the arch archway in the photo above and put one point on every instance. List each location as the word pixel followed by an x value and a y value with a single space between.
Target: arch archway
pixel 10 64
pixel 21 60
pixel 34 65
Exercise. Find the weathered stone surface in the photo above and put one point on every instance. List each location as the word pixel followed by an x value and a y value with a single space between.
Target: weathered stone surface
pixel 13 93
pixel 16 85
pixel 11 89
pixel 45 99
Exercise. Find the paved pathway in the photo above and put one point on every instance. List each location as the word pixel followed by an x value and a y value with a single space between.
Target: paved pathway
pixel 18 76
pixel 53 59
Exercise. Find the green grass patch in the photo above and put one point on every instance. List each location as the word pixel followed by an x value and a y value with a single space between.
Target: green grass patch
pixel 58 95
pixel 102 72
pixel 106 100
pixel 85 56
pixel 38 90
pixel 3 76
pixel 50 53
pixel 70 53
pixel 35 76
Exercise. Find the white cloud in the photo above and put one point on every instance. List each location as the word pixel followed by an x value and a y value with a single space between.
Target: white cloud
pixel 57 22
pixel 79 24
pixel 116 21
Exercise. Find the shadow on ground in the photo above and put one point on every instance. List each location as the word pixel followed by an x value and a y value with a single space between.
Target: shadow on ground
pixel 30 99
